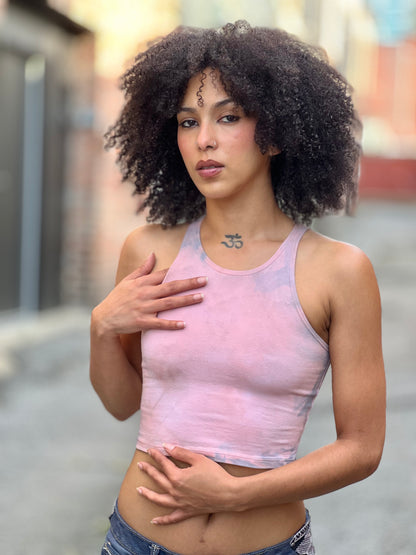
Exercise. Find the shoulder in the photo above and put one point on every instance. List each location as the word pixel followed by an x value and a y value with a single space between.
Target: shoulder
pixel 344 268
pixel 340 258
pixel 142 241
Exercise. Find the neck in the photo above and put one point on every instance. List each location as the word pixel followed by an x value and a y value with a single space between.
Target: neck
pixel 257 218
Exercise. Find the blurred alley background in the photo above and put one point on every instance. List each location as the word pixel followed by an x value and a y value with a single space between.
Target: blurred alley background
pixel 64 214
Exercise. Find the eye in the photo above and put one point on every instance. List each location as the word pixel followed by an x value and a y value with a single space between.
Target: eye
pixel 230 118
pixel 188 123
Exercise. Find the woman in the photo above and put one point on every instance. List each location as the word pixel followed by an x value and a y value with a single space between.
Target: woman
pixel 228 310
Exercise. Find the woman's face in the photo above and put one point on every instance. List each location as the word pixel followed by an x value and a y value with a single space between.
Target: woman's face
pixel 216 141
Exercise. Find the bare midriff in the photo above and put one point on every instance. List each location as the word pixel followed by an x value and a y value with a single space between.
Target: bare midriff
pixel 224 533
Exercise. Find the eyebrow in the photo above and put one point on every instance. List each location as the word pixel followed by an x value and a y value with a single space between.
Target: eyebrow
pixel 217 105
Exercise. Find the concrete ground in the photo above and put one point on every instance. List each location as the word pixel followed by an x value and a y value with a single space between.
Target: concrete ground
pixel 63 457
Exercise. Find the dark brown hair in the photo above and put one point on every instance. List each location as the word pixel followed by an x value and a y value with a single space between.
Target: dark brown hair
pixel 302 104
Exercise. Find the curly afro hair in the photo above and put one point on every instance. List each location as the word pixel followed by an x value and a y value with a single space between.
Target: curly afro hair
pixel 302 105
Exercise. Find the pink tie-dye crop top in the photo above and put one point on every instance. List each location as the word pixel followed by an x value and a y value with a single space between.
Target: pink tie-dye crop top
pixel 237 384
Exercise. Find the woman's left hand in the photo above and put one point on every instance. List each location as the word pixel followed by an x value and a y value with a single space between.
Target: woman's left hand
pixel 203 487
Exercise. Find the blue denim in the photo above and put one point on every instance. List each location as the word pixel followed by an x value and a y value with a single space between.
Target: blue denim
pixel 123 540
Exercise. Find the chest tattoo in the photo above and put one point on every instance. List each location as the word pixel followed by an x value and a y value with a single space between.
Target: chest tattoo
pixel 233 241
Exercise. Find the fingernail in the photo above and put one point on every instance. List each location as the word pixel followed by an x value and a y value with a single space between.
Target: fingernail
pixel 202 280
pixel 154 521
pixel 168 446
pixel 180 325
pixel 140 465
pixel 198 296
pixel 139 491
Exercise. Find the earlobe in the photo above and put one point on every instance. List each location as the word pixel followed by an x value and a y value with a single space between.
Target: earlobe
pixel 273 150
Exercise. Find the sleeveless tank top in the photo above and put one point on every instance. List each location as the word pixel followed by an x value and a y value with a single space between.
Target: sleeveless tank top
pixel 237 384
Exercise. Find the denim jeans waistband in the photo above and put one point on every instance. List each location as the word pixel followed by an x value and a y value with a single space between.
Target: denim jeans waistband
pixel 124 540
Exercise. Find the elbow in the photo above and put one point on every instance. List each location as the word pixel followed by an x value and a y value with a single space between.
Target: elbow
pixel 121 413
pixel 363 459
pixel 375 454
pixel 370 461
pixel 373 462
pixel 122 416
pixel 121 410
pixel 119 416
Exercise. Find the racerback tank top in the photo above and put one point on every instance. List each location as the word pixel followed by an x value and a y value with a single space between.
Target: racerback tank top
pixel 237 384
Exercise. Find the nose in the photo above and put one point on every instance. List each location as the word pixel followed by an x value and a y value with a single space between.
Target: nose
pixel 206 137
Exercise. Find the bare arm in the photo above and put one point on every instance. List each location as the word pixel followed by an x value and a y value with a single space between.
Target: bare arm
pixel 358 394
pixel 117 322
pixel 359 411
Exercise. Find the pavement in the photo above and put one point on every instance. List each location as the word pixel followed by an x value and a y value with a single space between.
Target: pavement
pixel 63 457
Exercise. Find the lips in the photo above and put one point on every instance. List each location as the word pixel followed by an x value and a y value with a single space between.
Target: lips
pixel 205 164
pixel 208 168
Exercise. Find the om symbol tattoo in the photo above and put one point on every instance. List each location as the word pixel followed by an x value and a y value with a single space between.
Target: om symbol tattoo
pixel 234 241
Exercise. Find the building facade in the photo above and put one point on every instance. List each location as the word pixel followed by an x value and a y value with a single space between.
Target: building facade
pixel 46 69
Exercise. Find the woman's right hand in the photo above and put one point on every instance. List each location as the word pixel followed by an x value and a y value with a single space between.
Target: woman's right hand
pixel 133 305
